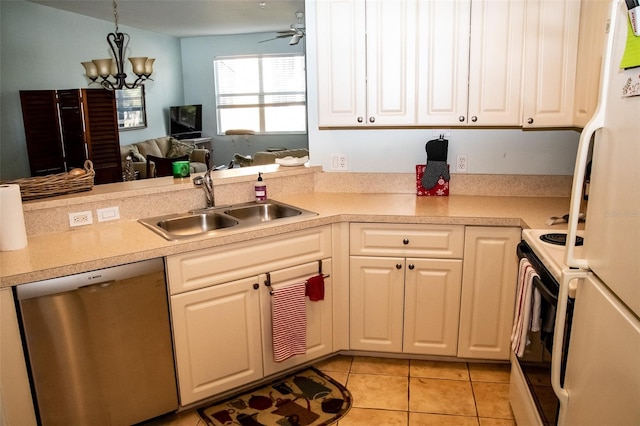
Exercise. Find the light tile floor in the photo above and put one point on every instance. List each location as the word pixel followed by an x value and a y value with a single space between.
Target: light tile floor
pixel 400 392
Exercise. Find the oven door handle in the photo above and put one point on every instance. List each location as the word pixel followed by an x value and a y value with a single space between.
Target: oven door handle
pixel 544 291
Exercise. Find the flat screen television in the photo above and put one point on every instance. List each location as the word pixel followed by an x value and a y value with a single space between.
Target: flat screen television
pixel 186 120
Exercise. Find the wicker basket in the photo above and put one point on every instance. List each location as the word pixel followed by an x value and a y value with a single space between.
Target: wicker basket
pixel 58 184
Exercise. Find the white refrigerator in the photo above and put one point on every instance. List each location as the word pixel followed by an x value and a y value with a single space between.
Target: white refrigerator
pixel 602 380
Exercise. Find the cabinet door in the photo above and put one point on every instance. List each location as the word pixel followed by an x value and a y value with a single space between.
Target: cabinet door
pixel 42 131
pixel 391 74
pixel 432 306
pixel 495 62
pixel 593 19
pixel 319 317
pixel 103 141
pixel 376 303
pixel 551 44
pixel 217 339
pixel 443 62
pixel 72 127
pixel 488 292
pixel 341 59
pixel 16 404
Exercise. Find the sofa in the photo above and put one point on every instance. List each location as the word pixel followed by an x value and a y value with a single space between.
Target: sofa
pixel 164 147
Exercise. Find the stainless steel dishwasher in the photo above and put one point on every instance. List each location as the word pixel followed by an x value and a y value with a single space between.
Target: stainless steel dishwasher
pixel 99 346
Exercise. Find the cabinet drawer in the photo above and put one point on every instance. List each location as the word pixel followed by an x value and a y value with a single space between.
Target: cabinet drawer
pixel 203 268
pixel 417 240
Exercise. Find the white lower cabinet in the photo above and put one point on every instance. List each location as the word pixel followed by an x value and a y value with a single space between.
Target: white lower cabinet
pixel 319 317
pixel 408 305
pixel 217 338
pixel 405 304
pixel 488 292
pixel 222 327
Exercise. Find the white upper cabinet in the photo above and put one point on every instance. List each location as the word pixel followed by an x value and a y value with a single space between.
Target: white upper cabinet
pixel 593 19
pixel 342 83
pixel 391 75
pixel 495 63
pixel 418 63
pixel 551 45
pixel 366 57
pixel 443 62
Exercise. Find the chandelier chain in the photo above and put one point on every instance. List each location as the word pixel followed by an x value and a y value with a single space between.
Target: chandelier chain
pixel 115 14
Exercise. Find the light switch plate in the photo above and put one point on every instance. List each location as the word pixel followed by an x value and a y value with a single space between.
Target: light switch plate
pixel 108 213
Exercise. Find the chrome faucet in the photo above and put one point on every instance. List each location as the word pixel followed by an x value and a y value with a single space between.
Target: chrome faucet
pixel 207 184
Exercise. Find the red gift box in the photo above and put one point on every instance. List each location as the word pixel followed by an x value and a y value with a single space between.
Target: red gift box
pixel 440 189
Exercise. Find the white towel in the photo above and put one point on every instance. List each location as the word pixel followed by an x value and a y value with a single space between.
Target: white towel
pixel 524 307
pixel 536 311
pixel 289 321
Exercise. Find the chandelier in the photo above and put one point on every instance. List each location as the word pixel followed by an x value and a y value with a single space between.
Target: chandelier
pixel 104 68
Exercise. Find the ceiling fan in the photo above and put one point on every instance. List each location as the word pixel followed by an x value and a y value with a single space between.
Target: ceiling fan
pixel 296 31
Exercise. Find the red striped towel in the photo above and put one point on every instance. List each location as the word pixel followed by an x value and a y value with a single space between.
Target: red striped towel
pixel 524 306
pixel 289 321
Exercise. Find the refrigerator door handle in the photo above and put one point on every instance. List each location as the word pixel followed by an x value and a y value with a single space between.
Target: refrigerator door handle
pixel 558 339
pixel 596 123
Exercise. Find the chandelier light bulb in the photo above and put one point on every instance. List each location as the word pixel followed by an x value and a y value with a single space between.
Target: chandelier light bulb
pixel 91 70
pixel 138 65
pixel 148 67
pixel 103 66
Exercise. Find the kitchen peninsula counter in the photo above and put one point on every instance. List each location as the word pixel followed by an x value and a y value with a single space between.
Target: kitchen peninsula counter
pixel 103 245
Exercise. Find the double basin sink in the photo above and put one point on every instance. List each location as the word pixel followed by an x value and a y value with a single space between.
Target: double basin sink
pixel 211 221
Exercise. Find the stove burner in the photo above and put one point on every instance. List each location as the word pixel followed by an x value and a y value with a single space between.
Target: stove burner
pixel 559 239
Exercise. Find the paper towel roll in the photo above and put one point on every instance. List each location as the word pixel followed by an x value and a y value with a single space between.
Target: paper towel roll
pixel 13 233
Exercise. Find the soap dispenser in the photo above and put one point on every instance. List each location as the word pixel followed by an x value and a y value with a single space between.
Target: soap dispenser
pixel 261 189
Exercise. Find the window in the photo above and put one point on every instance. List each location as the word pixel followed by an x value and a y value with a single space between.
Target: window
pixel 263 93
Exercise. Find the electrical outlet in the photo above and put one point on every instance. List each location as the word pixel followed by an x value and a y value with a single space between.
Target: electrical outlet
pixel 437 133
pixel 339 162
pixel 80 218
pixel 108 213
pixel 461 163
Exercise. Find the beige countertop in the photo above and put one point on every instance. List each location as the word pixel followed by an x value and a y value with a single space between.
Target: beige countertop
pixel 84 249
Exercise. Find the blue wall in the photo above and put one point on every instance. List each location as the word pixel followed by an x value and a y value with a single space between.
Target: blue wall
pixel 197 57
pixel 42 48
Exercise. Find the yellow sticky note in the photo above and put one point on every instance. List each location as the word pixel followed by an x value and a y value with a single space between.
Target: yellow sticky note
pixel 631 57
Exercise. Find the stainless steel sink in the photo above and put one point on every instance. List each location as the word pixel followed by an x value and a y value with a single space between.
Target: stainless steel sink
pixel 262 212
pixel 213 220
pixel 177 226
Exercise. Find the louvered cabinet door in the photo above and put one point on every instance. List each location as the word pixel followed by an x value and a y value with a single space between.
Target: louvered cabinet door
pixel 72 128
pixel 101 134
pixel 42 133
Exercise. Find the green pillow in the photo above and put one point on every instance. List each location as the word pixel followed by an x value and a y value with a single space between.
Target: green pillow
pixel 179 148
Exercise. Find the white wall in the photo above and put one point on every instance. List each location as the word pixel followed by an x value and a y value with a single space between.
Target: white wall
pixel 198 54
pixel 504 151
pixel 42 49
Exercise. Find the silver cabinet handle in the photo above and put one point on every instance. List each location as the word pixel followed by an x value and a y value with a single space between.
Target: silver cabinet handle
pixel 405 241
pixel 372 119
pixel 530 120
pixel 461 118
pixel 411 266
pixel 360 119
pixel 474 118
pixel 398 266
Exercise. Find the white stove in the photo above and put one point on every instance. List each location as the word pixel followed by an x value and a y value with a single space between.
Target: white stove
pixel 551 255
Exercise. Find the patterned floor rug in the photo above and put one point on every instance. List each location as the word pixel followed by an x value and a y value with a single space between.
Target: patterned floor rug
pixel 306 398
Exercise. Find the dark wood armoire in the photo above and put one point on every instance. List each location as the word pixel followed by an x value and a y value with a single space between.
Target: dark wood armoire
pixel 63 128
